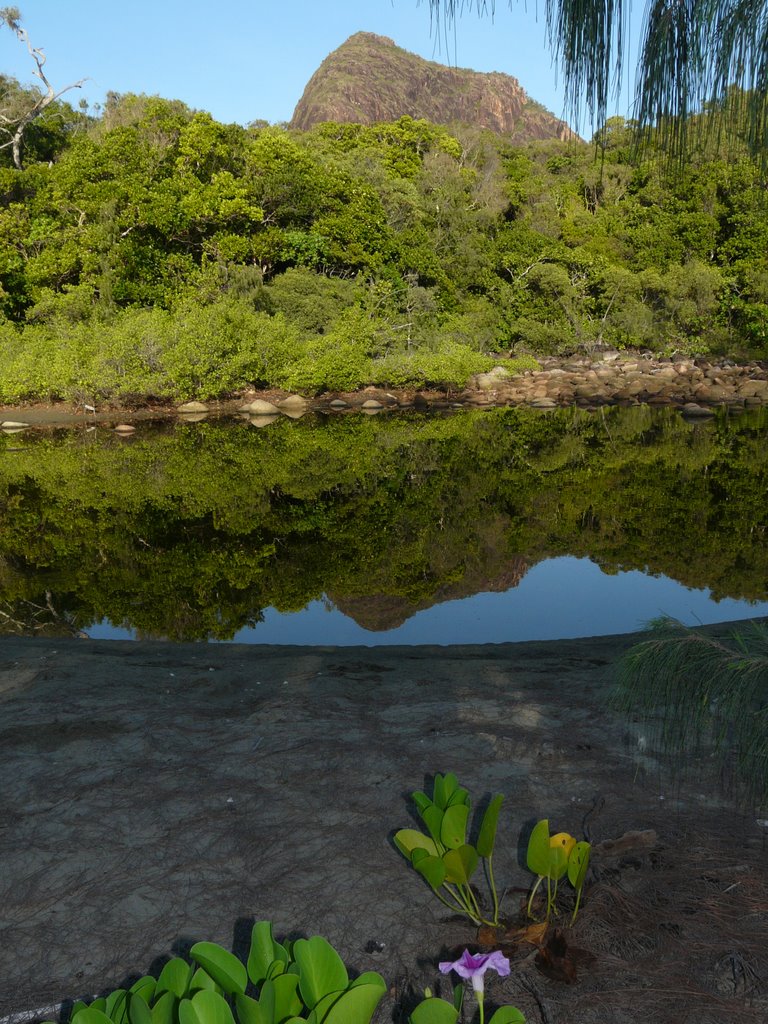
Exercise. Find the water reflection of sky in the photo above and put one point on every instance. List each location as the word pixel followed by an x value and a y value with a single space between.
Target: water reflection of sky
pixel 558 598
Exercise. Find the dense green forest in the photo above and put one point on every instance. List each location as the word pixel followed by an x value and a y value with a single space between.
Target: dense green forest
pixel 151 251
pixel 191 533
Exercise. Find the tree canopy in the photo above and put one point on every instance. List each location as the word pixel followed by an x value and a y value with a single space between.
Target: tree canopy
pixel 694 54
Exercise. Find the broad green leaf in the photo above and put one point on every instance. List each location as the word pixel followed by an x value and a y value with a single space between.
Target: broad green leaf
pixel 117 1007
pixel 433 869
pixel 369 978
pixel 91 1016
pixel 264 952
pixel 538 849
pixel 287 1001
pixel 138 1009
pixel 409 839
pixel 319 1013
pixel 267 1000
pixel 99 1004
pixel 417 855
pixel 277 967
pixel 578 863
pixel 453 832
pixel 250 1012
pixel 356 1005
pixel 77 1006
pixel 507 1015
pixel 421 800
pixel 558 862
pixel 205 1008
pixel 164 1010
pixel 450 785
pixel 224 967
pixel 434 1011
pixel 175 977
pixel 438 791
pixel 460 864
pixel 321 969
pixel 458 996
pixel 202 982
pixel 486 838
pixel 433 819
pixel 144 987
pixel 459 796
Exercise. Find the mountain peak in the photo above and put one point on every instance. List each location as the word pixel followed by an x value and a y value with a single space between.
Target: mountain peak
pixel 369 78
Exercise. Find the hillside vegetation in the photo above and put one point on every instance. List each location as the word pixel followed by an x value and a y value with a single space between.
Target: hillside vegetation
pixel 156 252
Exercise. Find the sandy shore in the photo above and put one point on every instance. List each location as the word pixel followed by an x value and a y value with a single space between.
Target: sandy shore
pixel 155 794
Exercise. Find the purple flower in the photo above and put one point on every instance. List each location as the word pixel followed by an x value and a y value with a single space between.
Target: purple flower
pixel 474 965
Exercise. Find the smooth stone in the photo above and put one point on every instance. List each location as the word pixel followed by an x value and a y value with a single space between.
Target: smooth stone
pixel 543 403
pixel 293 413
pixel 372 404
pixel 13 425
pixel 292 402
pixel 124 428
pixel 692 409
pixel 192 407
pixel 261 408
pixel 338 403
pixel 261 421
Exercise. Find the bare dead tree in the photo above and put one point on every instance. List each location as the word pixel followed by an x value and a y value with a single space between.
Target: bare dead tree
pixel 14 125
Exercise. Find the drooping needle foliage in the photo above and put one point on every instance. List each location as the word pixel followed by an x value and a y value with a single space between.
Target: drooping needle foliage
pixel 692 55
pixel 702 688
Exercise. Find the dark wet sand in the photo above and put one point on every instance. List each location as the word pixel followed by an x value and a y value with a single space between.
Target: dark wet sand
pixel 155 794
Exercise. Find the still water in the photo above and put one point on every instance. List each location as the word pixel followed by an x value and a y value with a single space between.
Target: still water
pixel 558 598
pixel 480 527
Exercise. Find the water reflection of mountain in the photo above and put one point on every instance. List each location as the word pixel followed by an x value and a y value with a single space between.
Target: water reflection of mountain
pixel 379 612
pixel 191 535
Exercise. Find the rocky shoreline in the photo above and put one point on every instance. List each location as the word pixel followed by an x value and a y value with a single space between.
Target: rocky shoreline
pixel 697 387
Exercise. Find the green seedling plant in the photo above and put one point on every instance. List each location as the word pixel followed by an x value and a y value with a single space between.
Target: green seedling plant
pixel 469 967
pixel 553 857
pixel 444 858
pixel 301 982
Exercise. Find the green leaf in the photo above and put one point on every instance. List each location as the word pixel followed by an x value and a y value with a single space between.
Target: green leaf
pixel 267 1000
pixel 138 1009
pixel 417 855
pixel 433 819
pixel 458 996
pixel 250 1012
pixel 264 952
pixel 91 1016
pixel 460 864
pixel 558 862
pixel 99 1004
pixel 202 982
pixel 175 977
pixel 319 1013
pixel 205 1008
pixel 507 1015
pixel 433 869
pixel 486 838
pixel 164 1010
pixel 453 832
pixel 287 1001
pixel 356 1005
pixel 144 987
pixel 421 800
pixel 459 796
pixel 77 1006
pixel 117 1007
pixel 538 849
pixel 321 967
pixel 369 978
pixel 450 785
pixel 578 863
pixel 438 791
pixel 434 1011
pixel 409 839
pixel 224 967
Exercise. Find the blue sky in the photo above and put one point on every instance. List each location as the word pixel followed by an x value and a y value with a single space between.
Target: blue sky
pixel 248 59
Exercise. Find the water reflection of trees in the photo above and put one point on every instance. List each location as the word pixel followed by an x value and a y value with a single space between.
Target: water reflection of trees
pixel 192 534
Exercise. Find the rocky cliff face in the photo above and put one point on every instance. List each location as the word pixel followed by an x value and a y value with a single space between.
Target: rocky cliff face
pixel 370 79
